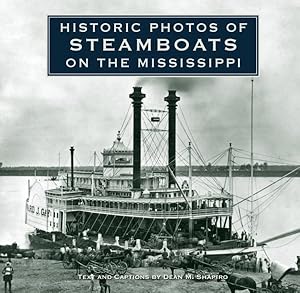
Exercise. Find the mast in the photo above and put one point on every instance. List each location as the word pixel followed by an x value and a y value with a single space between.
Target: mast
pixel 58 161
pixel 191 228
pixel 94 170
pixel 230 185
pixel 190 169
pixel 230 169
pixel 251 182
pixel 72 167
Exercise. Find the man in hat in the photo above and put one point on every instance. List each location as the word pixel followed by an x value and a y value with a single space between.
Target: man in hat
pixel 7 276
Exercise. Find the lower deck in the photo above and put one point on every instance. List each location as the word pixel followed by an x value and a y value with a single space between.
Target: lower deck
pixel 184 230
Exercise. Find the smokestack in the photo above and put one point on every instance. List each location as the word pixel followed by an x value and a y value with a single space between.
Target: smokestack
pixel 172 99
pixel 137 97
pixel 72 167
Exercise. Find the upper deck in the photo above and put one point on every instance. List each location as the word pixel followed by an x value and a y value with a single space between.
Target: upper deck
pixel 164 203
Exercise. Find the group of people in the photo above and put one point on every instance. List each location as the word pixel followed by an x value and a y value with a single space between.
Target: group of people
pixel 251 263
pixel 244 236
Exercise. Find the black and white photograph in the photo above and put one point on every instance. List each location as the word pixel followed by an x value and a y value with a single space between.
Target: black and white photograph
pixel 149 147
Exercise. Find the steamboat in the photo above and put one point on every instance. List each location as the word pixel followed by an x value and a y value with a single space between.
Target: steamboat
pixel 127 201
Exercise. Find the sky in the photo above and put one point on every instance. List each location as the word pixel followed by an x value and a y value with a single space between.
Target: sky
pixel 42 115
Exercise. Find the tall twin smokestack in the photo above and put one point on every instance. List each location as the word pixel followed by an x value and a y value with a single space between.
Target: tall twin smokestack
pixel 171 99
pixel 137 96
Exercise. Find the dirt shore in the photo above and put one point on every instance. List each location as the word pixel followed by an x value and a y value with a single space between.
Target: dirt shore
pixel 50 276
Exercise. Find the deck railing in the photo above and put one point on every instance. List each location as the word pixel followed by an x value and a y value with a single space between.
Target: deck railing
pixel 196 213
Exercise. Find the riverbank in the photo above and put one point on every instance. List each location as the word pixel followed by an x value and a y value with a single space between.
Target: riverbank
pixel 50 276
pixel 200 171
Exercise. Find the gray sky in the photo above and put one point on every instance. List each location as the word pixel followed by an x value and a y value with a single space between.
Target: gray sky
pixel 41 115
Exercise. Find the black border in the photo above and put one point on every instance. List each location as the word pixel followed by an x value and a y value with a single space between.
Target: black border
pixel 154 74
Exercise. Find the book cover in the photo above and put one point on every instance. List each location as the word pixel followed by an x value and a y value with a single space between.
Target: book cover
pixel 149 147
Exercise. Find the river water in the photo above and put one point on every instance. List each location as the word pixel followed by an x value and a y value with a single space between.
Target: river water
pixel 278 214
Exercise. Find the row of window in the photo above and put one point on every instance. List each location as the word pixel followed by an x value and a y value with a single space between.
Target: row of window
pixel 54 224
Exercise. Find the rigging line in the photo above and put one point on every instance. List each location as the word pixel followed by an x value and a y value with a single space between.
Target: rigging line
pixel 161 144
pixel 271 192
pixel 195 157
pixel 218 159
pixel 225 183
pixel 129 141
pixel 207 178
pixel 158 158
pixel 271 199
pixel 77 161
pixel 151 152
pixel 261 160
pixel 269 259
pixel 210 186
pixel 276 195
pixel 88 163
pixel 160 135
pixel 270 202
pixel 125 117
pixel 212 180
pixel 204 185
pixel 146 146
pixel 241 218
pixel 199 154
pixel 192 135
pixel 125 127
pixel 279 187
pixel 287 243
pixel 146 151
pixel 208 160
pixel 163 138
pixel 154 153
pixel 286 175
pixel 153 157
pixel 273 157
pixel 163 151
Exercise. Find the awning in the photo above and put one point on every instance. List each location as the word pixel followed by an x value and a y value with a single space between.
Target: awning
pixel 278 270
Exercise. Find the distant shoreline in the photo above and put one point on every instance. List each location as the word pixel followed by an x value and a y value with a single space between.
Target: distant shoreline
pixel 200 171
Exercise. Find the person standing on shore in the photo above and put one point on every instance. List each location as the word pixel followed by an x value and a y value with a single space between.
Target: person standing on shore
pixel 164 259
pixel 268 265
pixel 91 273
pixel 298 263
pixel 7 276
pixel 260 265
